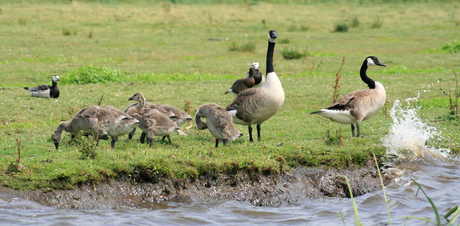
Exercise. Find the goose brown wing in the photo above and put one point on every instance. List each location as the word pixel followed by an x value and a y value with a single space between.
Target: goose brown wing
pixel 242 97
pixel 346 102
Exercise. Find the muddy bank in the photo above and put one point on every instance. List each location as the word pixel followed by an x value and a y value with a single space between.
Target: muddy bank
pixel 290 187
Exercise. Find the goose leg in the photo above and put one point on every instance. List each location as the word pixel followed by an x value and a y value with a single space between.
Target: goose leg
pixel 163 139
pixel 169 138
pixel 142 139
pixel 357 127
pixel 250 133
pixel 114 139
pixel 225 142
pixel 258 132
pixel 352 130
pixel 217 143
pixel 131 134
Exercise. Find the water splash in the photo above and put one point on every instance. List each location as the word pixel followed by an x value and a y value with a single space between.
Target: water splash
pixel 408 136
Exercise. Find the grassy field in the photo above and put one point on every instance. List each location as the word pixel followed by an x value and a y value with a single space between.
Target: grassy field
pixel 176 53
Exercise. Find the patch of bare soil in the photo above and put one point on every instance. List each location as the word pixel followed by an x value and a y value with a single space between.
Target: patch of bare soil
pixel 288 188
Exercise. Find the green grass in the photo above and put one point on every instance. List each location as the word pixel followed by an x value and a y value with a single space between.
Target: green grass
pixel 165 51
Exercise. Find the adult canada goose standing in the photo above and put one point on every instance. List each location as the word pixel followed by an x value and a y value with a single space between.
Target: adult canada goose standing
pixel 45 91
pixel 358 105
pixel 218 121
pixel 253 78
pixel 152 121
pixel 254 106
pixel 107 121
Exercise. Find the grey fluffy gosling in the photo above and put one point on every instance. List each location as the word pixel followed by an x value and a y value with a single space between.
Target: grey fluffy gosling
pixel 254 106
pixel 45 91
pixel 218 121
pixel 358 105
pixel 106 122
pixel 152 121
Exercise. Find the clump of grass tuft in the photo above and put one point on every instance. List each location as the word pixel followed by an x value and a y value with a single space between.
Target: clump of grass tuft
pixel 88 146
pixel 452 47
pixel 293 54
pixel 22 21
pixel 338 139
pixel 245 47
pixel 378 22
pixel 341 27
pixel 284 41
pixel 90 74
pixel 67 32
pixel 354 22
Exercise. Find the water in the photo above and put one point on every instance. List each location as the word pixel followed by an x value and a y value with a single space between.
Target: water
pixel 432 168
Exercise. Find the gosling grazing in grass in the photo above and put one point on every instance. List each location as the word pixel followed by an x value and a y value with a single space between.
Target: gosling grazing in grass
pixel 105 122
pixel 152 121
pixel 176 115
pixel 218 121
pixel 358 105
pixel 45 91
pixel 253 78
pixel 254 106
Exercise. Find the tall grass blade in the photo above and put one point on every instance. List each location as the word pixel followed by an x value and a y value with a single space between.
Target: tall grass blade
pixel 456 212
pixel 355 208
pixel 383 187
pixel 418 218
pixel 429 200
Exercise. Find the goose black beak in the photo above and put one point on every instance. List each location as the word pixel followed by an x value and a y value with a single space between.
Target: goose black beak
pixel 380 64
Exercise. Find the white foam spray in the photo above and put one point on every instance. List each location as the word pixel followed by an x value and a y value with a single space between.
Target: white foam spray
pixel 408 135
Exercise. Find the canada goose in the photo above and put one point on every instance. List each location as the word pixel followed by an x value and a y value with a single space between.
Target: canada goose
pixel 152 121
pixel 253 78
pixel 107 121
pixel 45 91
pixel 218 121
pixel 254 106
pixel 358 105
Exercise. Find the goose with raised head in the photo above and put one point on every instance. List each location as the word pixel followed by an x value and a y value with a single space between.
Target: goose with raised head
pixel 152 121
pixel 218 121
pixel 45 91
pixel 104 122
pixel 359 105
pixel 253 78
pixel 256 105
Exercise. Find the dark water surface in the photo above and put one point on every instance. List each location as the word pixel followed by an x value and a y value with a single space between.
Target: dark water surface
pixel 439 178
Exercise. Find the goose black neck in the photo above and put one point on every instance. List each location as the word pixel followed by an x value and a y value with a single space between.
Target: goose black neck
pixel 54 84
pixel 271 49
pixel 370 83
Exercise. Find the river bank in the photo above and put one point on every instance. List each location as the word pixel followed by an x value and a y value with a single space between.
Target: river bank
pixel 144 190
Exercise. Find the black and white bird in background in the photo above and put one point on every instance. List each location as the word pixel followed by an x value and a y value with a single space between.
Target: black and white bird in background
pixel 45 91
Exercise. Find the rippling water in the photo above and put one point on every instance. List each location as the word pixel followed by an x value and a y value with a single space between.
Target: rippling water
pixel 438 175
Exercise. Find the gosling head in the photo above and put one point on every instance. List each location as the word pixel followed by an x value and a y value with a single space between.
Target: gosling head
pixel 56 137
pixel 137 97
